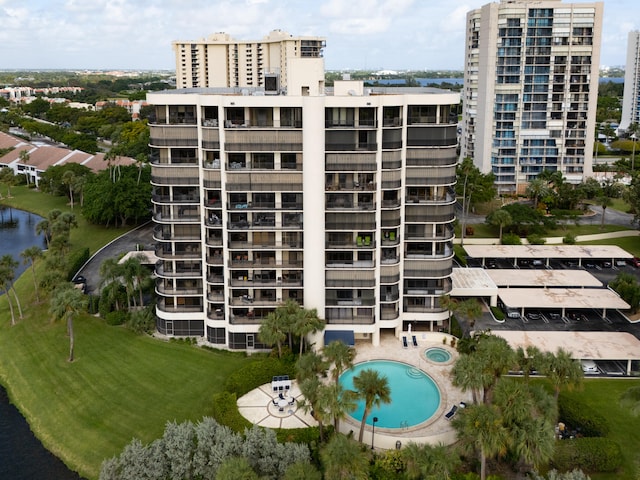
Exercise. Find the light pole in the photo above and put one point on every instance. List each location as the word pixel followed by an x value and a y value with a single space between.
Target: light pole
pixel 373 432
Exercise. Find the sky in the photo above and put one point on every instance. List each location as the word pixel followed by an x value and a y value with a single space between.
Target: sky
pixel 360 34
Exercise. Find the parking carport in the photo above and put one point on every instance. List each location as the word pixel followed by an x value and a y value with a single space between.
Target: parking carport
pixel 619 346
pixel 562 298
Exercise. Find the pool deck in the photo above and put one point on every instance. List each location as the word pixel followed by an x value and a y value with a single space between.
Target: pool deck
pixel 257 406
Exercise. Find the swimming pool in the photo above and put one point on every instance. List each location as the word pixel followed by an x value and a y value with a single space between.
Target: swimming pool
pixel 437 355
pixel 414 395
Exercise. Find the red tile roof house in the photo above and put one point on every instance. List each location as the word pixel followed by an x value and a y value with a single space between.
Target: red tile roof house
pixel 42 157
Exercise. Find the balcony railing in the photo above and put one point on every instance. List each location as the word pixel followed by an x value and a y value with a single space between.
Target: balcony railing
pixel 163 307
pixel 177 272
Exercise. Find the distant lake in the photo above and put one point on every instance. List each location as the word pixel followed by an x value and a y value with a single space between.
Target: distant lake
pixel 18 232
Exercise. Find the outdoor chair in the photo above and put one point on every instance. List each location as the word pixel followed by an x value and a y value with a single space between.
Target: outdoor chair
pixel 450 414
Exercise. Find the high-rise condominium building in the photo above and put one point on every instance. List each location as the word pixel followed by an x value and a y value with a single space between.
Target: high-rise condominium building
pixel 221 61
pixel 631 101
pixel 531 87
pixel 341 200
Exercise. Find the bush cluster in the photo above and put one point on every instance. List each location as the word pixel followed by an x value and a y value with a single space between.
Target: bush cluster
pixel 76 261
pixel 592 454
pixel 580 417
pixel 511 239
pixel 225 412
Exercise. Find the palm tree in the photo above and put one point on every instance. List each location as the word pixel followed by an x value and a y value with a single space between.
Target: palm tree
pixel 429 461
pixel 337 401
pixel 310 365
pixel 499 218
pixel 25 158
pixel 562 371
pixel 306 322
pixel 44 227
pixel 272 331
pixel 480 427
pixel 8 265
pixel 374 389
pixel 467 374
pixel 310 389
pixel 536 190
pixel 68 179
pixel 469 309
pixel 4 287
pixel 29 256
pixel 527 360
pixel 68 302
pixel 448 303
pixel 340 355
pixel 111 273
pixel 603 201
pixel 344 459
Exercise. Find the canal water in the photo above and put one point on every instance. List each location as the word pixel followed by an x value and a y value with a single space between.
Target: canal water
pixel 22 456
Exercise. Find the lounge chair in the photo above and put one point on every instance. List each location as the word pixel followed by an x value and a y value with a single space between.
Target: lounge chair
pixel 404 342
pixel 281 396
pixel 450 414
pixel 281 409
pixel 414 340
pixel 292 401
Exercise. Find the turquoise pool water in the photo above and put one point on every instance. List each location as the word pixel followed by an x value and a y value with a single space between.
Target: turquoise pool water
pixel 437 354
pixel 414 395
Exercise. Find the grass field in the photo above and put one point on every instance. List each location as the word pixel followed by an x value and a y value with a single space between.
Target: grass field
pixel 120 386
pixel 603 397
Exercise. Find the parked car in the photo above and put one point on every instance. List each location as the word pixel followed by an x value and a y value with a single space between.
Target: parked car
pixel 589 367
pixel 533 315
pixel 635 261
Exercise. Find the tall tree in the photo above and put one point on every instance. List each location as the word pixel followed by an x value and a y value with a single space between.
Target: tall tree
pixel 8 266
pixel 67 303
pixel 29 257
pixel 430 461
pixel 632 131
pixel 562 371
pixel 480 428
pixel 344 459
pixel 603 202
pixel 306 322
pixel 4 287
pixel 374 389
pixel 25 158
pixel 499 218
pixel 69 180
pixel 537 190
pixel 337 401
pixel 272 331
pixel 340 355
pixel 474 187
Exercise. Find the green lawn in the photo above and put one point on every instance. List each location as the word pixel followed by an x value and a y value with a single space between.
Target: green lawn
pixel 120 386
pixel 630 244
pixel 603 396
pixel 482 230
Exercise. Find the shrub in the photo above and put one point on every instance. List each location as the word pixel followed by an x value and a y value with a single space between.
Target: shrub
pixel 225 411
pixel 117 317
pixel 592 454
pixel 569 239
pixel 255 374
pixel 535 239
pixel 76 261
pixel 499 314
pixel 580 417
pixel 511 239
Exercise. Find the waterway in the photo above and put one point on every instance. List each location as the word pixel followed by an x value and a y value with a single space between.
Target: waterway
pixel 18 232
pixel 22 455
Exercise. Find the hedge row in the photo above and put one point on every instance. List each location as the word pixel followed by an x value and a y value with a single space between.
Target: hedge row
pixel 257 373
pixel 591 454
pixel 77 260
pixel 581 417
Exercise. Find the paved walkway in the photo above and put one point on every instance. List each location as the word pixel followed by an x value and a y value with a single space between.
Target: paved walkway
pixel 257 406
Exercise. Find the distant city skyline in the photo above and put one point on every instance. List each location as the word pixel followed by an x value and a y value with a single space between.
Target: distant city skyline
pixel 361 34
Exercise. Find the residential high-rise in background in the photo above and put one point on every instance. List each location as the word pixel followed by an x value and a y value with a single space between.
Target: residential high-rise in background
pixel 631 101
pixel 530 89
pixel 339 199
pixel 221 61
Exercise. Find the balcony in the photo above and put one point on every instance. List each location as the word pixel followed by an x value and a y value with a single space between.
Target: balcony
pixel 163 289
pixel 351 302
pixel 350 264
pixel 182 272
pixel 168 308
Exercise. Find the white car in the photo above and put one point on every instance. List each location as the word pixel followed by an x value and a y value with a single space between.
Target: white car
pixel 589 367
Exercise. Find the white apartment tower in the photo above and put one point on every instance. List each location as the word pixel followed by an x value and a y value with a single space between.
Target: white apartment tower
pixel 530 89
pixel 340 200
pixel 631 100
pixel 221 61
